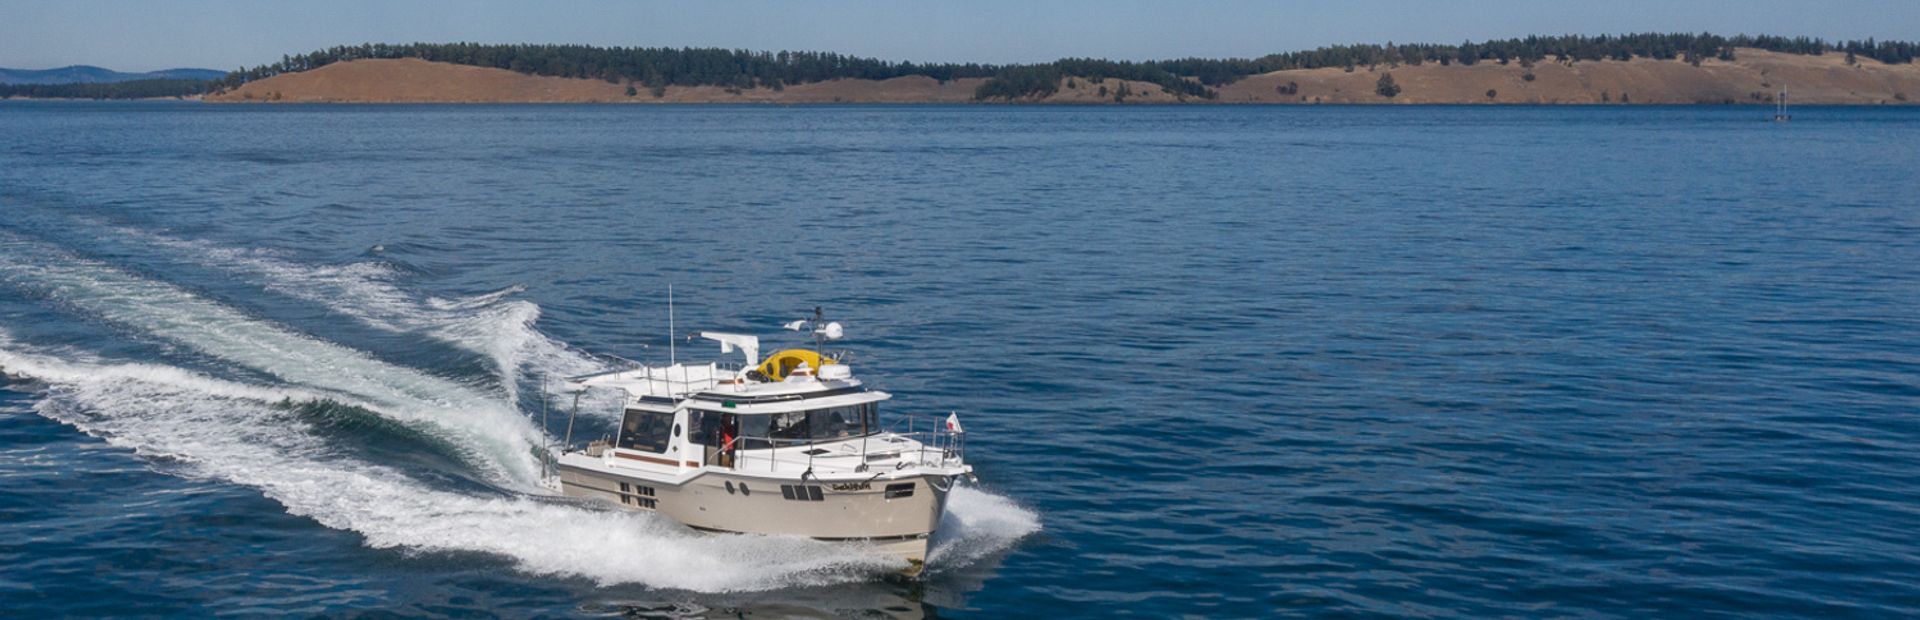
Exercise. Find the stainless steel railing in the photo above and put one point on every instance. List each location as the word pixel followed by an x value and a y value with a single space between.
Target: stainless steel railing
pixel 939 444
pixel 938 447
pixel 676 380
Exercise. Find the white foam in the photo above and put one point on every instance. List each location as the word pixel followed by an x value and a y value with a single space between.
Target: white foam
pixel 493 435
pixel 232 432
pixel 978 524
pixel 495 324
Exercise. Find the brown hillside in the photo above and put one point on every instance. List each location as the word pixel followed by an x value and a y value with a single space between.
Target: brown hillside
pixel 1754 77
pixel 409 80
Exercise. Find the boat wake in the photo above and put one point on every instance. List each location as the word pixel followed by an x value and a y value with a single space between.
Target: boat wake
pixel 254 429
pixel 493 436
pixel 978 525
pixel 252 435
pixel 494 324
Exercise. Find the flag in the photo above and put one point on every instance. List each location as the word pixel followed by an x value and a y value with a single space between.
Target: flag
pixel 953 423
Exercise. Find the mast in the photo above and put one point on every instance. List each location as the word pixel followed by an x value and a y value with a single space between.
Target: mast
pixel 819 341
pixel 671 358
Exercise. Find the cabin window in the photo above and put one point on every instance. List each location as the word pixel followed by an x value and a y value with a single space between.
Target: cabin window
pixel 703 427
pixel 753 431
pixel 834 423
pixel 646 431
pixel 843 422
pixel 803 427
pixel 788 428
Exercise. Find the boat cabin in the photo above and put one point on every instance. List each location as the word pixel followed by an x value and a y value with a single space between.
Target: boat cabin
pixel 781 408
pixel 714 431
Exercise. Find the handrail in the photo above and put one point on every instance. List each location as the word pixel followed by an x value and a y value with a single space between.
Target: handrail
pixel 686 383
pixel 673 380
pixel 937 447
pixel 948 444
pixel 773 448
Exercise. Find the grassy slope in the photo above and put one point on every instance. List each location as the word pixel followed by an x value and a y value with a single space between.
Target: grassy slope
pixel 1752 78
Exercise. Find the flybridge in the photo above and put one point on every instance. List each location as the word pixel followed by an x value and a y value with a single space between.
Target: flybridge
pixel 785 373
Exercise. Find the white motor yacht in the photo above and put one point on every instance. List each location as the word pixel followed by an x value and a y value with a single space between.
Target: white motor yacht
pixel 791 444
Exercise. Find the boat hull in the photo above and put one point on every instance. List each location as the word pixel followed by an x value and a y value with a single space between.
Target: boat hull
pixel 896 516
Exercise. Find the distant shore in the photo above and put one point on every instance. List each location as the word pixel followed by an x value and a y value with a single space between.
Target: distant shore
pixel 1754 77
pixel 194 98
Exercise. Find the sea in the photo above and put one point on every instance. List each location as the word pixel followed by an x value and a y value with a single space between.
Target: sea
pixel 1233 361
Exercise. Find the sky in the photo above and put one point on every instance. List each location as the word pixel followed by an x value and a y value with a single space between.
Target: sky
pixel 224 34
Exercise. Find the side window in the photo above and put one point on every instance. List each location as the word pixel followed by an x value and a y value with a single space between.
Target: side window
pixel 646 431
pixel 843 422
pixel 753 431
pixel 789 425
pixel 834 423
pixel 702 428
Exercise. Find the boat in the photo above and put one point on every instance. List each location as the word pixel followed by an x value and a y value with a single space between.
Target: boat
pixel 792 444
pixel 1780 108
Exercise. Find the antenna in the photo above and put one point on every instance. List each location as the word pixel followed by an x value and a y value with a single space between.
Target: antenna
pixel 819 340
pixel 822 330
pixel 671 358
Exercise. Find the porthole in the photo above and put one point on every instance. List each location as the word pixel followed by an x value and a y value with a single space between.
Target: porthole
pixel 744 490
pixel 676 430
pixel 729 487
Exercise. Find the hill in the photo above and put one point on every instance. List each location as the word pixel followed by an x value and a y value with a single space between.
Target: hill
pixel 88 74
pixel 680 73
pixel 1752 76
pixel 410 80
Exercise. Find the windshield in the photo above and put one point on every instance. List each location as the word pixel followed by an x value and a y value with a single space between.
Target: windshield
pixel 646 431
pixel 812 426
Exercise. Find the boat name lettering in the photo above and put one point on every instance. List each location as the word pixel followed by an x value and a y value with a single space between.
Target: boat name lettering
pixel 852 486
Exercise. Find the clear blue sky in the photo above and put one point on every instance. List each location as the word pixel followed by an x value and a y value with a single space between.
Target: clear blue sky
pixel 222 34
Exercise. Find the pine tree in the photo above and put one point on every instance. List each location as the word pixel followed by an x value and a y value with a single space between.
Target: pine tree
pixel 1385 87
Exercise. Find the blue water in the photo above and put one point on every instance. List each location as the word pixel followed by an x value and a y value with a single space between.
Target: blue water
pixel 1248 361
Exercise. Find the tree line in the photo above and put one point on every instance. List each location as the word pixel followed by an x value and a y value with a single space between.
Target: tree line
pixel 658 67
pixel 646 66
pixel 1660 46
pixel 132 89
pixel 1035 81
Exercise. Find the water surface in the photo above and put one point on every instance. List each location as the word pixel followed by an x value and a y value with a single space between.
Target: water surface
pixel 1236 361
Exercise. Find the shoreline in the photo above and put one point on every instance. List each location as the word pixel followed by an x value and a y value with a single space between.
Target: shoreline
pixel 1020 104
pixel 1755 77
